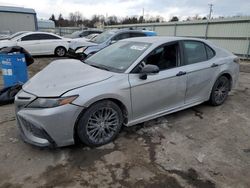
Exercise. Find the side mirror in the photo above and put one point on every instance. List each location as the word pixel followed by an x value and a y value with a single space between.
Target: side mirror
pixel 148 69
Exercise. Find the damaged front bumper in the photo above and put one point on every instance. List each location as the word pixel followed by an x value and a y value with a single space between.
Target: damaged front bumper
pixel 46 126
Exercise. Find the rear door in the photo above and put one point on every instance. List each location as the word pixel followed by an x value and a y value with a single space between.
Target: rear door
pixel 48 43
pixel 201 69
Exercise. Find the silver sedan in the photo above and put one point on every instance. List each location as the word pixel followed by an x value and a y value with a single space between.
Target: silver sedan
pixel 127 83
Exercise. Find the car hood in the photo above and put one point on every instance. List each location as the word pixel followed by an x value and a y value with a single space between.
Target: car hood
pixel 75 43
pixel 66 39
pixel 7 43
pixel 4 38
pixel 63 75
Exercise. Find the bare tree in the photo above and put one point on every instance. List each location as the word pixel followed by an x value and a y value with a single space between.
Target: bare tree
pixel 76 18
pixel 112 20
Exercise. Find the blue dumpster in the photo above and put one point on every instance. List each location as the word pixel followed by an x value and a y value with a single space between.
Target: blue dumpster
pixel 14 69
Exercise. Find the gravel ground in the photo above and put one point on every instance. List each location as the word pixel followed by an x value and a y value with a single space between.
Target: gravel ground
pixel 202 146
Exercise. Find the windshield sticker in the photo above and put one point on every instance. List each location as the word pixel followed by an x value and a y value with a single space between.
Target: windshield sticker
pixel 140 48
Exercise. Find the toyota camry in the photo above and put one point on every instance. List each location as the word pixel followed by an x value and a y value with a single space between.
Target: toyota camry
pixel 129 82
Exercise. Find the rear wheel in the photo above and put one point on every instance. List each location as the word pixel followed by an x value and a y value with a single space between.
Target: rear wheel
pixel 100 124
pixel 60 51
pixel 220 91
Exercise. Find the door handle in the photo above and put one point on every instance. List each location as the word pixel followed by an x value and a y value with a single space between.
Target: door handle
pixel 214 65
pixel 181 73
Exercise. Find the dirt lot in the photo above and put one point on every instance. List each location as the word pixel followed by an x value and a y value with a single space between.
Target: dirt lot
pixel 200 147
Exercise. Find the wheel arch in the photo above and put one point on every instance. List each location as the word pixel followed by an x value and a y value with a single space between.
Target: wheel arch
pixel 228 75
pixel 224 73
pixel 60 46
pixel 121 105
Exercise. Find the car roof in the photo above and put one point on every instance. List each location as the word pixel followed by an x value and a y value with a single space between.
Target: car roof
pixel 125 30
pixel 161 39
pixel 91 29
pixel 39 32
pixel 35 32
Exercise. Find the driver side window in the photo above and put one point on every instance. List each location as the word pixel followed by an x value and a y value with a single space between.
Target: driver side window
pixel 165 57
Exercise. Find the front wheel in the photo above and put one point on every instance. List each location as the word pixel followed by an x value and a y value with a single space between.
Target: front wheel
pixel 100 123
pixel 220 91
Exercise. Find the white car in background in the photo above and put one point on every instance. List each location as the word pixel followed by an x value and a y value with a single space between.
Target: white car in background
pixel 39 43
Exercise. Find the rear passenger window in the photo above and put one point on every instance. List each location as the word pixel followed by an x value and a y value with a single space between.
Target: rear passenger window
pixel 39 37
pixel 47 37
pixel 30 37
pixel 194 52
pixel 121 36
pixel 137 35
pixel 210 52
pixel 92 32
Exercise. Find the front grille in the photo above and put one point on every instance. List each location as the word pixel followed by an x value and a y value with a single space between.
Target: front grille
pixel 33 129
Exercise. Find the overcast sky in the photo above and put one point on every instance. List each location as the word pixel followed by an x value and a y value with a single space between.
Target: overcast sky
pixel 122 8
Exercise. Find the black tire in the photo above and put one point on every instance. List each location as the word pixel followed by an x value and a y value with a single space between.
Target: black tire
pixel 60 51
pixel 220 91
pixel 94 129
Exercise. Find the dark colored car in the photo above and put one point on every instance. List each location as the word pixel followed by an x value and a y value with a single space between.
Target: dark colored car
pixel 83 33
pixel 82 49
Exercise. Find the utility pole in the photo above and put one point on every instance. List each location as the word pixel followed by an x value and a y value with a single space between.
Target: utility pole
pixel 210 10
pixel 142 15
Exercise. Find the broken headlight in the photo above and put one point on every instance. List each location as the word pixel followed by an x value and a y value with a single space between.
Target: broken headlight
pixel 81 50
pixel 51 102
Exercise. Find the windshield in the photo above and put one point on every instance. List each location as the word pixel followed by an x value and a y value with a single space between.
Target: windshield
pixel 91 36
pixel 75 34
pixel 119 56
pixel 103 37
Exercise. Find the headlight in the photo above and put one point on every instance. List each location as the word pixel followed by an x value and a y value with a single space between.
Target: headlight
pixel 81 50
pixel 51 102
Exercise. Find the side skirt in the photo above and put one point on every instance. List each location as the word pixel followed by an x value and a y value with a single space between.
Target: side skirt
pixel 162 113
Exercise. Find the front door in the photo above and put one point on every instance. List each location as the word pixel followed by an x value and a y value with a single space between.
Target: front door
pixel 160 92
pixel 30 43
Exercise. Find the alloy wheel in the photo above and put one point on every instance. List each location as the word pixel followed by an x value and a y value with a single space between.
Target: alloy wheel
pixel 102 125
pixel 60 52
pixel 221 91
